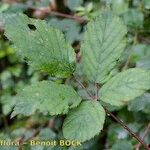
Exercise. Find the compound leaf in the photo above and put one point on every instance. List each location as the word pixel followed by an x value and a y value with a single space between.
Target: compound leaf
pixel 46 96
pixel 43 46
pixel 84 122
pixel 125 86
pixel 102 46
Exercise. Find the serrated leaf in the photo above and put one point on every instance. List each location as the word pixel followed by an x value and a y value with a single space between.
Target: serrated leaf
pixel 125 86
pixel 103 44
pixel 43 46
pixel 46 96
pixel 84 122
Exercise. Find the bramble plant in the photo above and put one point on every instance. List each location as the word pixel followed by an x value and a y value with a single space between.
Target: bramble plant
pixel 45 49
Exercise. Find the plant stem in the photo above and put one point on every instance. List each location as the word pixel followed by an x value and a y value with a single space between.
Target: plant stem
pixel 127 63
pixel 145 134
pixel 116 118
pixel 78 18
pixel 127 128
pixel 146 131
pixel 83 87
pixel 59 14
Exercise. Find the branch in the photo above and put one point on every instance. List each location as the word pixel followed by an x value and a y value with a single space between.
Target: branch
pixel 120 121
pixel 127 128
pixel 59 14
pixel 127 63
pixel 79 19
pixel 83 87
pixel 146 131
pixel 145 134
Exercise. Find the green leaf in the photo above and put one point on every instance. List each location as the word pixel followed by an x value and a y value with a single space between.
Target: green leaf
pixel 43 46
pixel 133 18
pixel 147 4
pixel 46 134
pixel 7 102
pixel 115 132
pixel 139 103
pixel 102 46
pixel 73 4
pixel 144 63
pixel 125 86
pixel 3 7
pixel 119 6
pixel 84 122
pixel 139 52
pixel 122 145
pixel 141 55
pixel 71 28
pixel 46 96
pixel 5 137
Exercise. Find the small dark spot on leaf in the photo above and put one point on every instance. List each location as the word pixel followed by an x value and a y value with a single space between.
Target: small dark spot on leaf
pixel 32 27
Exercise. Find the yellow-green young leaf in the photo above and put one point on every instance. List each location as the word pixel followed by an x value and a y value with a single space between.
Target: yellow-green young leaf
pixel 125 86
pixel 43 46
pixel 84 122
pixel 46 97
pixel 102 46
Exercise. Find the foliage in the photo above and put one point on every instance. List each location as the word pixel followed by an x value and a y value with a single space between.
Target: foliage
pixel 46 96
pixel 79 121
pixel 100 53
pixel 39 41
pixel 66 65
